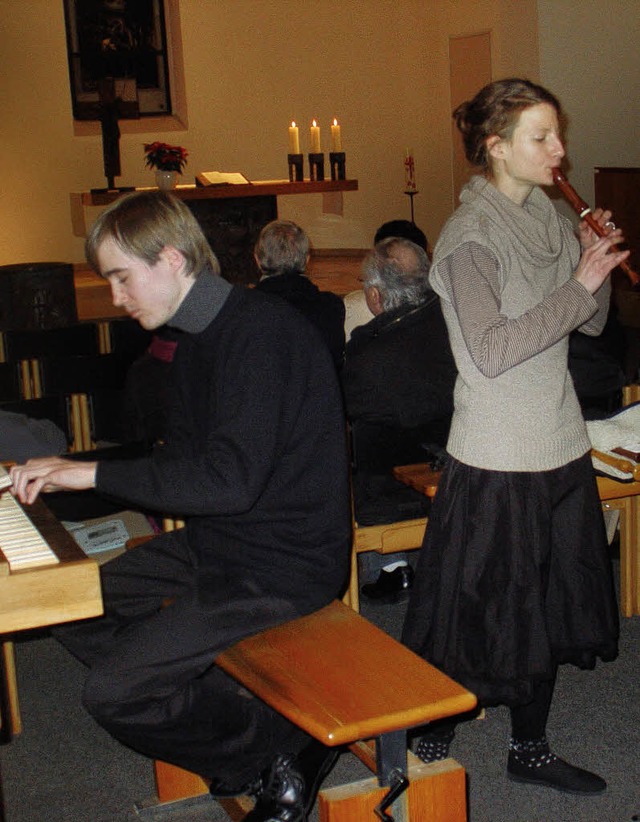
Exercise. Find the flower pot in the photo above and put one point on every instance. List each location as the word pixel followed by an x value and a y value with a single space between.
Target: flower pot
pixel 166 180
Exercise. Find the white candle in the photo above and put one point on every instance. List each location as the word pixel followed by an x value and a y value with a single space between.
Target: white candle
pixel 294 139
pixel 409 170
pixel 336 138
pixel 315 138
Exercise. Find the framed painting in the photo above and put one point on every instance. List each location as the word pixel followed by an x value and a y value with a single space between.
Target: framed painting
pixel 120 45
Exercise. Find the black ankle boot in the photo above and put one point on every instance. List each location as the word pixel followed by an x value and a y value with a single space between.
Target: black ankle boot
pixel 530 760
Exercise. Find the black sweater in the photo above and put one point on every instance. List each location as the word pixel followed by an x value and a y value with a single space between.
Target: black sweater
pixel 256 457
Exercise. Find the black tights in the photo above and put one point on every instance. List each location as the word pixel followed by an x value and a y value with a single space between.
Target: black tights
pixel 530 721
pixel 527 721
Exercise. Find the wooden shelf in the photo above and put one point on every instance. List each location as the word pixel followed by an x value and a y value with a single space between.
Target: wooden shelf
pixel 336 270
pixel 260 188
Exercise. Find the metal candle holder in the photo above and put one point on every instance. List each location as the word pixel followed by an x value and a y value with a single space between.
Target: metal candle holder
pixel 337 164
pixel 411 193
pixel 316 167
pixel 296 171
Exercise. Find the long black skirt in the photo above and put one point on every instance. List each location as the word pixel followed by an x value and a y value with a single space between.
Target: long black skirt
pixel 514 578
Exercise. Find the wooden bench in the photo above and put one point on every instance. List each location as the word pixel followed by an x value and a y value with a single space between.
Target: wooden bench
pixel 348 683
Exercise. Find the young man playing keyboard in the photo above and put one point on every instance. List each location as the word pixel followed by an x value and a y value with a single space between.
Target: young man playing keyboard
pixel 255 463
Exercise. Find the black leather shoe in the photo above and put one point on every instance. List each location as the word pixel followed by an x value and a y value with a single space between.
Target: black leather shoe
pixel 390 585
pixel 554 772
pixel 291 784
pixel 220 790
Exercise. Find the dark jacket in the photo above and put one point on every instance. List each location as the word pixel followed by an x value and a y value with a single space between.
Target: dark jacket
pixel 597 366
pixel 325 310
pixel 398 381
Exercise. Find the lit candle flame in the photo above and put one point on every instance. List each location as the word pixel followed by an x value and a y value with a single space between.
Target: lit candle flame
pixel 314 124
pixel 335 122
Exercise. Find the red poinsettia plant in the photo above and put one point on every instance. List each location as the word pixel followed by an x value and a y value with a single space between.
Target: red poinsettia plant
pixel 165 157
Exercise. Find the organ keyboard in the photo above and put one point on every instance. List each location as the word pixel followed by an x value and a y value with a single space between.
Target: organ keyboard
pixel 45 577
pixel 21 543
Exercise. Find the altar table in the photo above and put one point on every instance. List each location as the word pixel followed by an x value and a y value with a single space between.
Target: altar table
pixel 231 216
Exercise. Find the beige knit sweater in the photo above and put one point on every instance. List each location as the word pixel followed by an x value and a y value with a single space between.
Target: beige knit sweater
pixel 504 275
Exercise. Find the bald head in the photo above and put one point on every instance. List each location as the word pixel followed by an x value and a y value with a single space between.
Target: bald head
pixel 396 273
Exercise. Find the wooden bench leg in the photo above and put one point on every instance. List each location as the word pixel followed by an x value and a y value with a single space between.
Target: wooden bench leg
pixel 10 720
pixel 629 508
pixel 437 793
pixel 631 557
pixel 352 597
pixel 174 783
pixel 176 788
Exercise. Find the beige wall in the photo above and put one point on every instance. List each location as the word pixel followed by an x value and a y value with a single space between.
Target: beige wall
pixel 251 66
pixel 589 57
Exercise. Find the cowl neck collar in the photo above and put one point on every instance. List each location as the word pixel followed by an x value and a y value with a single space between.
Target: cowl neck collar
pixel 534 226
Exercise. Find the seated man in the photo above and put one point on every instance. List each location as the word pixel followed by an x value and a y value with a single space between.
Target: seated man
pixel 357 312
pixel 255 462
pixel 398 383
pixel 282 255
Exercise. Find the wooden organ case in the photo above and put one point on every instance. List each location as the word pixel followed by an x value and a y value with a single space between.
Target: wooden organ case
pixel 618 189
pixel 45 579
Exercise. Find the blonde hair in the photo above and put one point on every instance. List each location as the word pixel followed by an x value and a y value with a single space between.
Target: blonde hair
pixel 143 223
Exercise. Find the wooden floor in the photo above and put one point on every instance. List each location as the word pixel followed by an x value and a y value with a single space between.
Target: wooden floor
pixel 337 271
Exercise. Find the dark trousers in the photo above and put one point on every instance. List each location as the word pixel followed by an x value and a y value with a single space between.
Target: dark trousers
pixel 152 681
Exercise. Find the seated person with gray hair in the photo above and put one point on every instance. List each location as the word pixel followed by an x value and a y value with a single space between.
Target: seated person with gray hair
pixel 282 255
pixel 398 381
pixel 356 308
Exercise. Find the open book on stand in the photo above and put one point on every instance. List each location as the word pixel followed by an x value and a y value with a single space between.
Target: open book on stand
pixel 221 178
pixel 615 444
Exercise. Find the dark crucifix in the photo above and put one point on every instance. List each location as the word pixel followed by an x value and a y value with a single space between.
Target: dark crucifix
pixel 110 112
pixel 110 130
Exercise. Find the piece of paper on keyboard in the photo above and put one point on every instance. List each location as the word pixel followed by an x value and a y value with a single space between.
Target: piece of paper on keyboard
pixel 5 479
